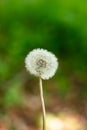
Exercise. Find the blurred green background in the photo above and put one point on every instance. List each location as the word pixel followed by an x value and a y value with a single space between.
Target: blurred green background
pixel 59 26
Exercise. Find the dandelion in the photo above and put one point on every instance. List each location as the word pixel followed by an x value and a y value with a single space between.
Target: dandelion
pixel 42 64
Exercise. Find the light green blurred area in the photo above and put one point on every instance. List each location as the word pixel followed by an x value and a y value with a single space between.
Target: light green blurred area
pixel 59 26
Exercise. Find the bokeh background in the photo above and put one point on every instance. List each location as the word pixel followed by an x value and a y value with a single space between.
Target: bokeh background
pixel 59 26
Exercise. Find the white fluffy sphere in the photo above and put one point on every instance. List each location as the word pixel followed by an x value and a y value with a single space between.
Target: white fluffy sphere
pixel 41 63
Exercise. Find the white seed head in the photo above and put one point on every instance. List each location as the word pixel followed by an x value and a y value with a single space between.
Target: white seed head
pixel 41 63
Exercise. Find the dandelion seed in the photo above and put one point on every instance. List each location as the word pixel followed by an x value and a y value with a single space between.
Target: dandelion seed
pixel 41 63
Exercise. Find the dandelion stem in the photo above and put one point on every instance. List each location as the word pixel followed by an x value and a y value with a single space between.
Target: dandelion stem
pixel 42 104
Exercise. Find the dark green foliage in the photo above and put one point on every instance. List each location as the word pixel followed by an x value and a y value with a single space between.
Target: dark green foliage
pixel 59 26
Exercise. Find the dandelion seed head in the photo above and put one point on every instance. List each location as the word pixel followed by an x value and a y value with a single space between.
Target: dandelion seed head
pixel 41 63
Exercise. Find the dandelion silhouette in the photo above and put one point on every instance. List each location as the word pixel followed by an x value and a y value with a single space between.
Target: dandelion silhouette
pixel 42 64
